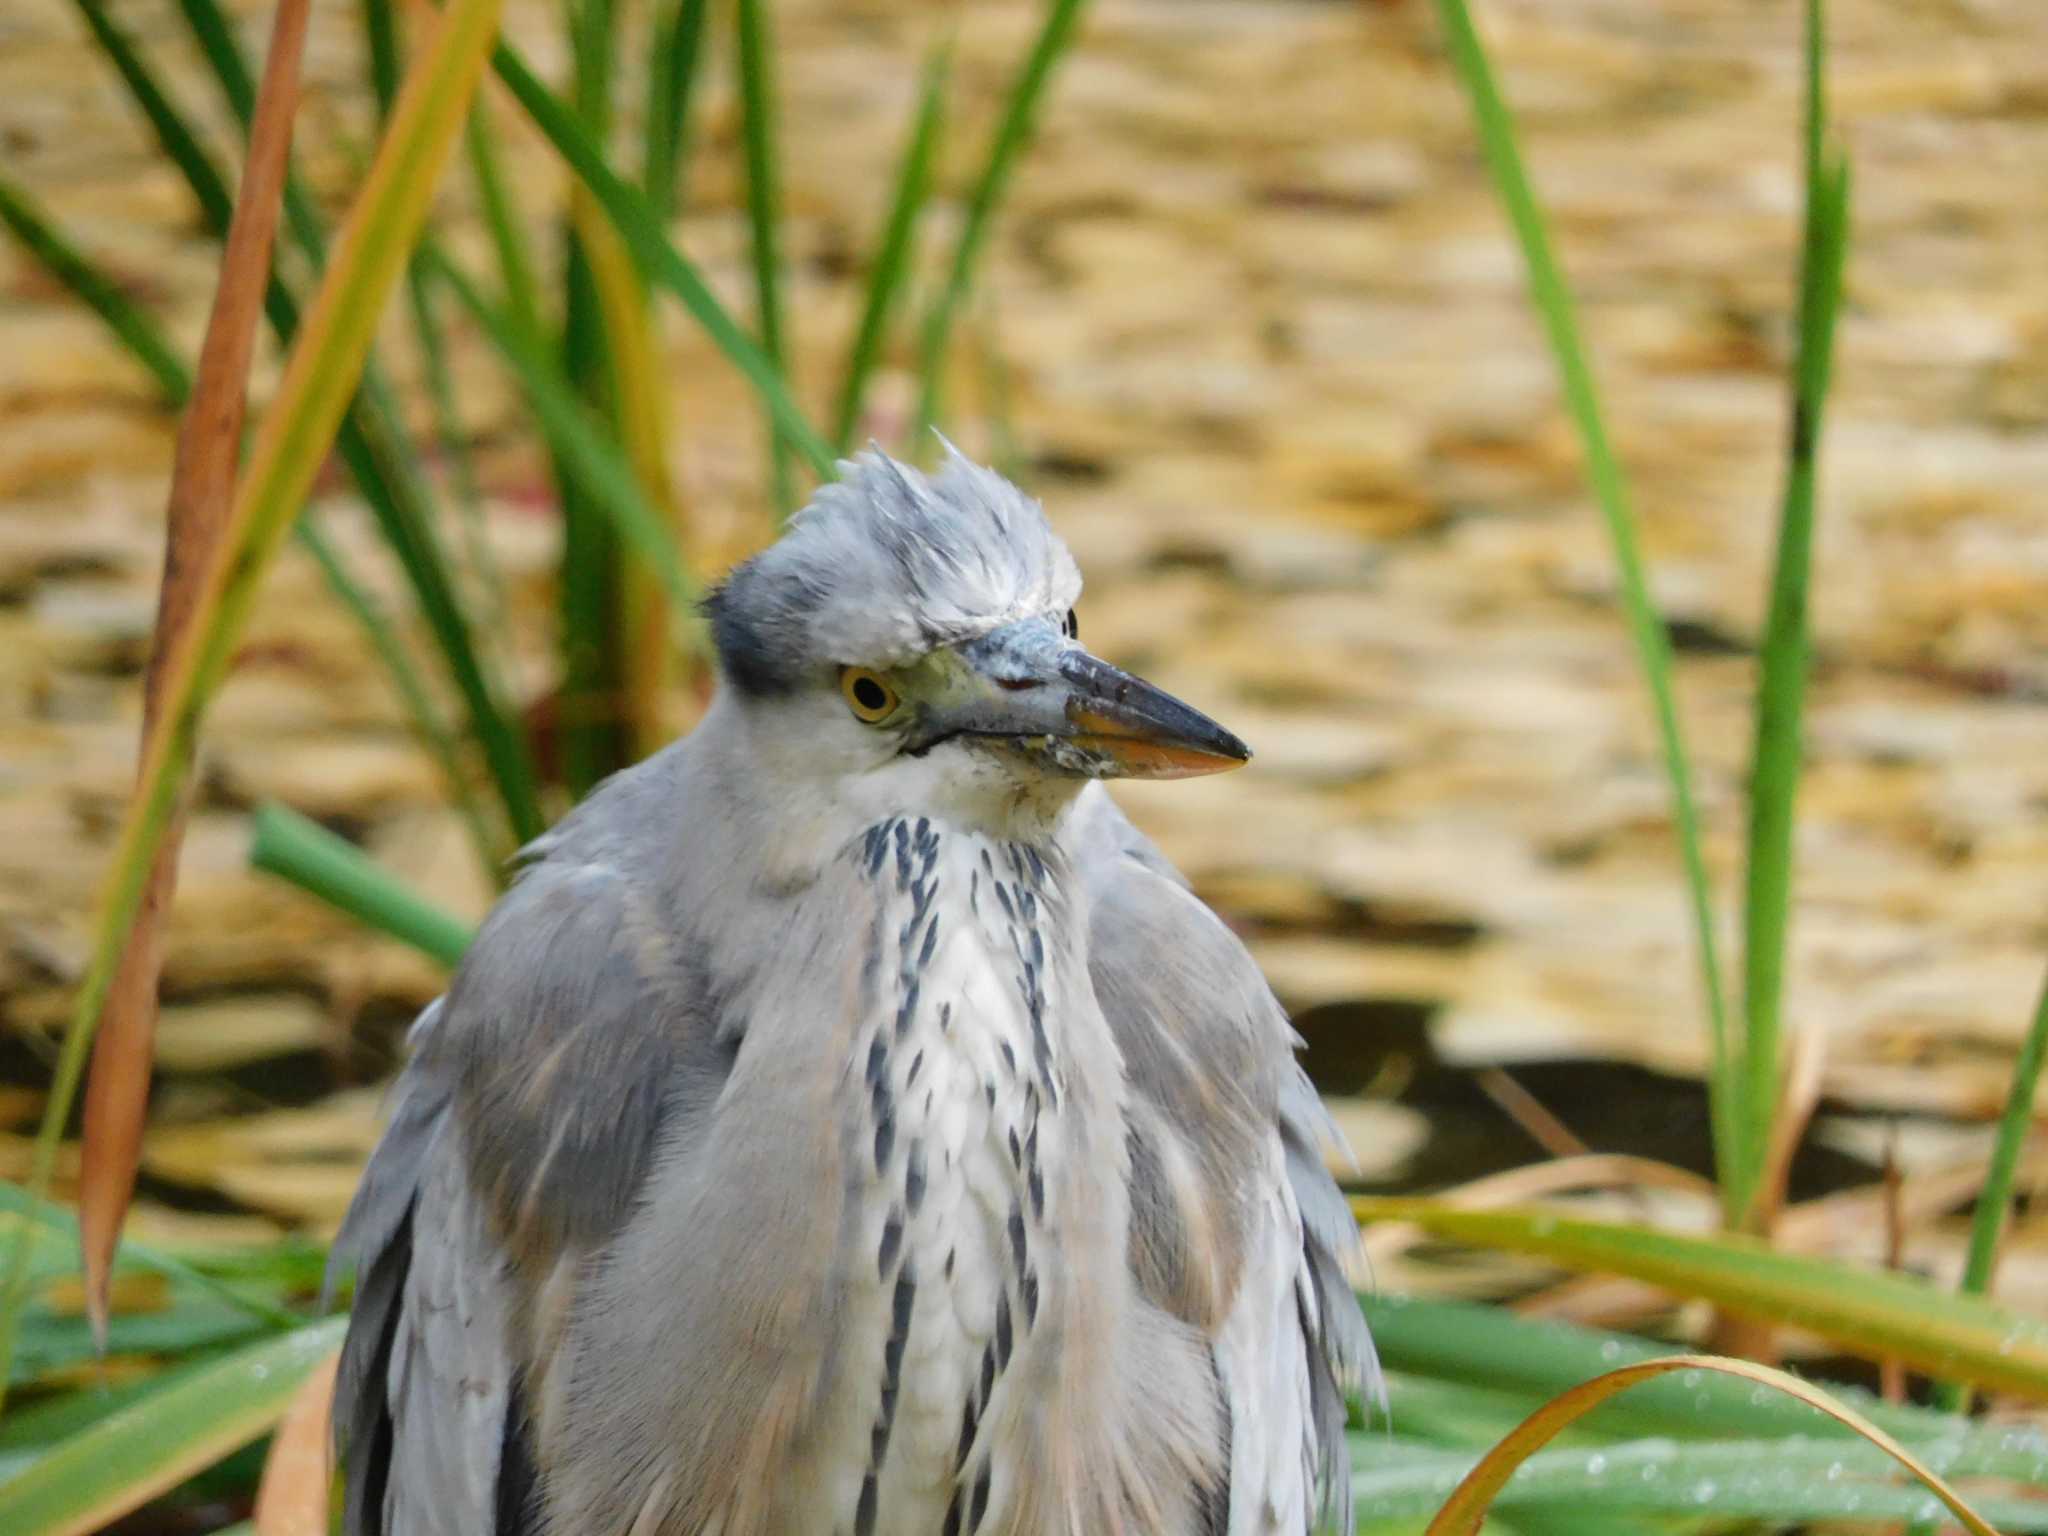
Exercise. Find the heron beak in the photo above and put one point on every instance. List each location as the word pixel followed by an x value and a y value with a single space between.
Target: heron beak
pixel 1048 697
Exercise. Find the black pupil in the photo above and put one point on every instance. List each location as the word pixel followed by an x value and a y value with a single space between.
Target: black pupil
pixel 1073 625
pixel 869 694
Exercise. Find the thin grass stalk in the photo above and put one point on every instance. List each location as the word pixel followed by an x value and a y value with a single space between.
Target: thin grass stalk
pixel 377 458
pixel 671 84
pixel 663 265
pixel 1006 454
pixel 61 1221
pixel 590 726
pixel 165 120
pixel 488 841
pixel 891 268
pixel 300 850
pixel 639 399
pixel 1653 642
pixel 380 46
pixel 453 442
pixel 1783 659
pixel 211 30
pixel 755 56
pixel 129 323
pixel 312 398
pixel 1012 133
pixel 1994 1200
pixel 501 220
pixel 579 441
pixel 380 37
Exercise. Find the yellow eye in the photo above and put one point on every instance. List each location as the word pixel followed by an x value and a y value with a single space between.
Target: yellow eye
pixel 867 695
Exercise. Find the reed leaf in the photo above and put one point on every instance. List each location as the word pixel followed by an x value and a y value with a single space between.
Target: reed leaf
pixel 588 449
pixel 302 851
pixel 1013 132
pixel 671 83
pixel 131 326
pixel 891 267
pixel 1994 1200
pixel 659 261
pixel 1783 659
pixel 754 57
pixel 1553 302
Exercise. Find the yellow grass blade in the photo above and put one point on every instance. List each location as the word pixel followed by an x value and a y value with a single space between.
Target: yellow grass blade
pixel 1465 1511
pixel 297 431
pixel 640 392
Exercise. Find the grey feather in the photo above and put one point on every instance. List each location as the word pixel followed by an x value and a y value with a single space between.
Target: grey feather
pixel 1206 1044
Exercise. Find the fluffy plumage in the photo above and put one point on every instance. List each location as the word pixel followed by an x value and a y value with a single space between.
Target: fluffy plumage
pixel 823 1136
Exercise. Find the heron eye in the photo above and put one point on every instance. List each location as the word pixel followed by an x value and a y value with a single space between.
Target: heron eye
pixel 870 699
pixel 1072 627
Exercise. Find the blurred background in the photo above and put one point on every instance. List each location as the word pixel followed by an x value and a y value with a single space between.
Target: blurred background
pixel 1251 323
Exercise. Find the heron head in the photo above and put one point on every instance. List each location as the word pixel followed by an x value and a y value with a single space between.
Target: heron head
pixel 912 620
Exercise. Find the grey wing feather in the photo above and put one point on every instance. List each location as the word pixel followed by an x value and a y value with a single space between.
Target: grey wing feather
pixel 425 1380
pixel 1208 1052
pixel 522 1131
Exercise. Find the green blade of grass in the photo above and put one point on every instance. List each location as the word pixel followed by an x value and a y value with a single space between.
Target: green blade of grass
pixel 1875 1314
pixel 891 268
pixel 379 459
pixel 420 709
pixel 130 325
pixel 1781 686
pixel 300 850
pixel 169 124
pixel 590 725
pixel 671 83
pixel 1012 133
pixel 764 215
pixel 20 1204
pixel 319 380
pixel 501 220
pixel 380 37
pixel 162 1437
pixel 380 48
pixel 596 460
pixel 1994 1200
pixel 453 442
pixel 1652 640
pixel 658 260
